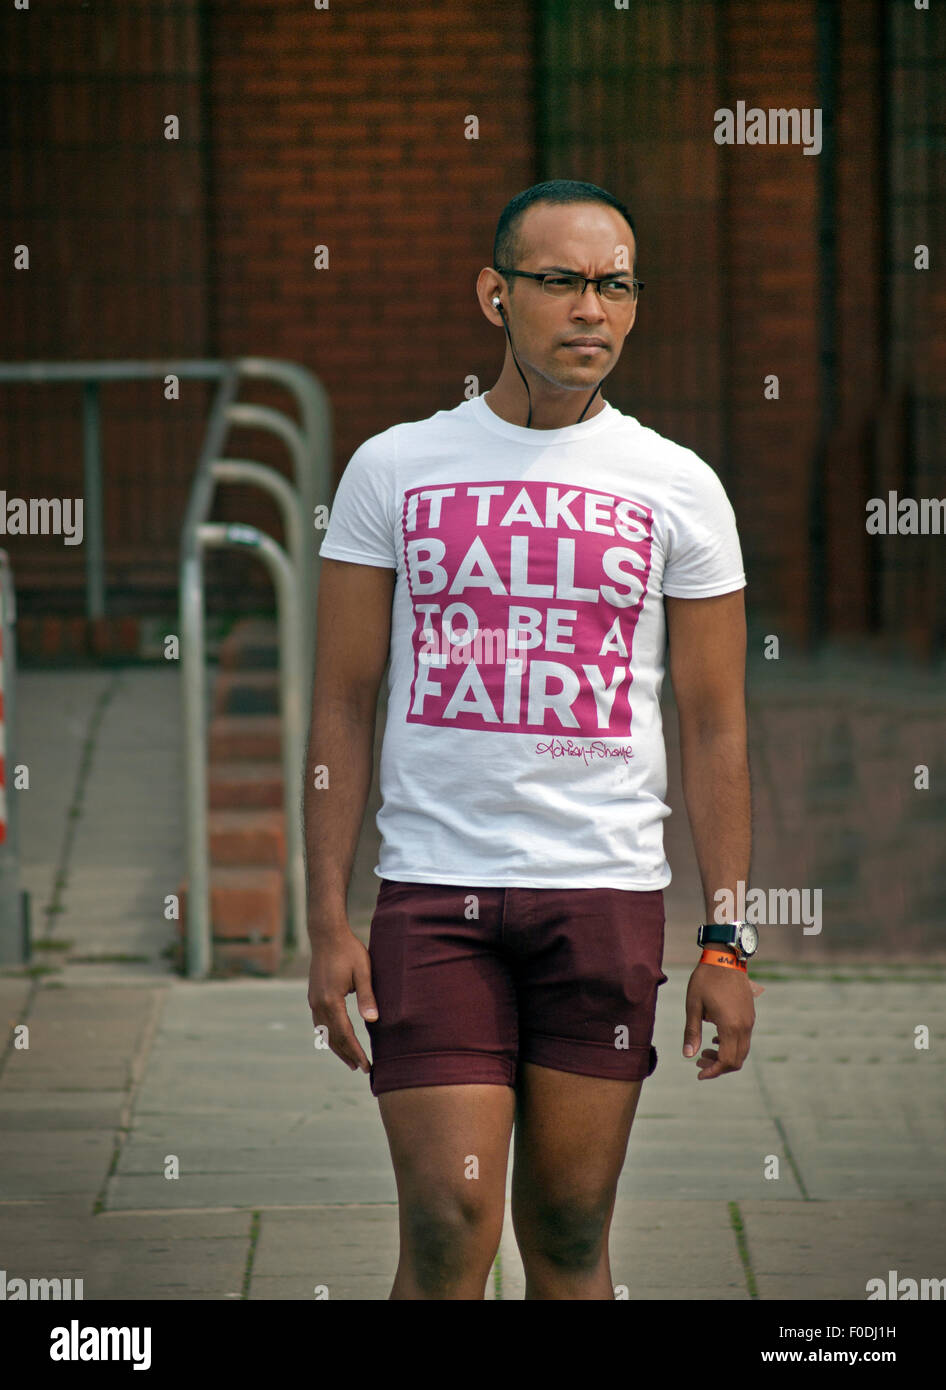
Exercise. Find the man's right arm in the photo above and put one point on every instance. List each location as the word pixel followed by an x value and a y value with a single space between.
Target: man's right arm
pixel 353 636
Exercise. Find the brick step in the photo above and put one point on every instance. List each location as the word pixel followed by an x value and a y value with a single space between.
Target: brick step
pixel 249 657
pixel 228 958
pixel 238 785
pixel 245 958
pixel 64 640
pixel 246 692
pixel 248 836
pixel 256 629
pixel 247 914
pixel 240 737
pixel 250 646
pixel 246 903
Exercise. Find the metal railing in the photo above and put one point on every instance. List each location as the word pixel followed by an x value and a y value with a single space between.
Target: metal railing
pixel 294 572
pixel 309 443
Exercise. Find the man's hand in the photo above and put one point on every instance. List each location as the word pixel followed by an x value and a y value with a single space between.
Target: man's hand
pixel 722 996
pixel 340 964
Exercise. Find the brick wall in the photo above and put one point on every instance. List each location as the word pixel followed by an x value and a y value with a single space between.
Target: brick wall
pixel 861 249
pixel 114 217
pixel 772 291
pixel 300 127
pixel 345 127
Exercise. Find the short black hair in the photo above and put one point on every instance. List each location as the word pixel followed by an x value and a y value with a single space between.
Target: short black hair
pixel 508 245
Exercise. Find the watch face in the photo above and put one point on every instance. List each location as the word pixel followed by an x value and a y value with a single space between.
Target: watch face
pixel 748 938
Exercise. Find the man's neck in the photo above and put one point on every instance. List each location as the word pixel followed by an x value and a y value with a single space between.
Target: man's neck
pixel 545 415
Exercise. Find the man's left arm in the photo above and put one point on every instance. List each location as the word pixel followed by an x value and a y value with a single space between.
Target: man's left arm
pixel 707 665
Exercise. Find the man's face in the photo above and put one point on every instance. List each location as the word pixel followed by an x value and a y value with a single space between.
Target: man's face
pixel 590 239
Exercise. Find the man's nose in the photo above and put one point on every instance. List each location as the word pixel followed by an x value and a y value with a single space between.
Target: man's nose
pixel 594 309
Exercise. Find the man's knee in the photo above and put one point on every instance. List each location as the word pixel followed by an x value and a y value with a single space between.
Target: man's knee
pixel 449 1234
pixel 567 1234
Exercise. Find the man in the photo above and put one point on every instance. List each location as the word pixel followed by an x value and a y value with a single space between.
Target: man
pixel 523 558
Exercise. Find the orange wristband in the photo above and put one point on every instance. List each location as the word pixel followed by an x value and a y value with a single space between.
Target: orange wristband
pixel 713 956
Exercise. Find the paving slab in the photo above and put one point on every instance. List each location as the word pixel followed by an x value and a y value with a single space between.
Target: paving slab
pixel 171 1255
pixel 54 713
pixel 350 1251
pixel 672 1158
pixel 14 995
pixel 829 1250
pixel 187 1269
pixel 107 744
pixel 297 1126
pixel 77 1040
pixel 53 1163
pixel 675 1250
pixel 23 1111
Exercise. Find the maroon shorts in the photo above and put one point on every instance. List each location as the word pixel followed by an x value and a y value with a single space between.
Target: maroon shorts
pixel 472 981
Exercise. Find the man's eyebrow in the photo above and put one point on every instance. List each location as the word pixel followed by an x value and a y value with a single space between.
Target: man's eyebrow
pixel 569 270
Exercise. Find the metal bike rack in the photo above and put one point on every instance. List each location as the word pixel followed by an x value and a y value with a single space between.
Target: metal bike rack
pixel 294 570
pixel 262 417
pixel 290 505
pixel 309 444
pixel 285 579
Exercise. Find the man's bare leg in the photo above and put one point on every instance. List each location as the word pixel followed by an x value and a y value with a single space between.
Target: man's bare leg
pixel 571 1142
pixel 450 1221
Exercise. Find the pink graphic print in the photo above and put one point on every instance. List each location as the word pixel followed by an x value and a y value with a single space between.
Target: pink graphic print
pixel 563 567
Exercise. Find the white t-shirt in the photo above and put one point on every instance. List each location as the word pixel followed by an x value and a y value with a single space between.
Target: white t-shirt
pixel 542 766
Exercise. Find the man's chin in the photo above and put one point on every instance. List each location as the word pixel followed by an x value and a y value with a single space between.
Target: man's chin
pixel 585 377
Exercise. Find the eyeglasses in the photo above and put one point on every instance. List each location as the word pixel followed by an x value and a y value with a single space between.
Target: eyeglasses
pixel 615 288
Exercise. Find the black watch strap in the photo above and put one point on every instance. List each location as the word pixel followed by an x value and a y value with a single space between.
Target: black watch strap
pixel 719 934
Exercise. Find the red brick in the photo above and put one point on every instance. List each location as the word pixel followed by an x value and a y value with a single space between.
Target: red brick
pixel 231 786
pixel 245 737
pixel 243 650
pixel 242 958
pixel 115 637
pixel 246 904
pixel 246 837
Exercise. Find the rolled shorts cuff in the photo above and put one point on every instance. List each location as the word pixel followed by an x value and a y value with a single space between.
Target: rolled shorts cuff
pixel 633 1063
pixel 441 1069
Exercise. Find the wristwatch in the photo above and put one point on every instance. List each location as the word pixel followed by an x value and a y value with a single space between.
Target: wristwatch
pixel 743 937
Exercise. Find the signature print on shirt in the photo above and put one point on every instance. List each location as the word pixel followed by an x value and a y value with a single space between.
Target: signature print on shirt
pixel 563 567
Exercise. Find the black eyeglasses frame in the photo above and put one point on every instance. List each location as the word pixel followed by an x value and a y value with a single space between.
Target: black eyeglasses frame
pixel 558 274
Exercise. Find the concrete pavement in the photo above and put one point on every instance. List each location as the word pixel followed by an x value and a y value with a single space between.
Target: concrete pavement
pixel 161 1138
pixel 283 1181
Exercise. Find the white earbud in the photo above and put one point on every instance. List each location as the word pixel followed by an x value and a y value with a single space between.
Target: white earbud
pixel 496 302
